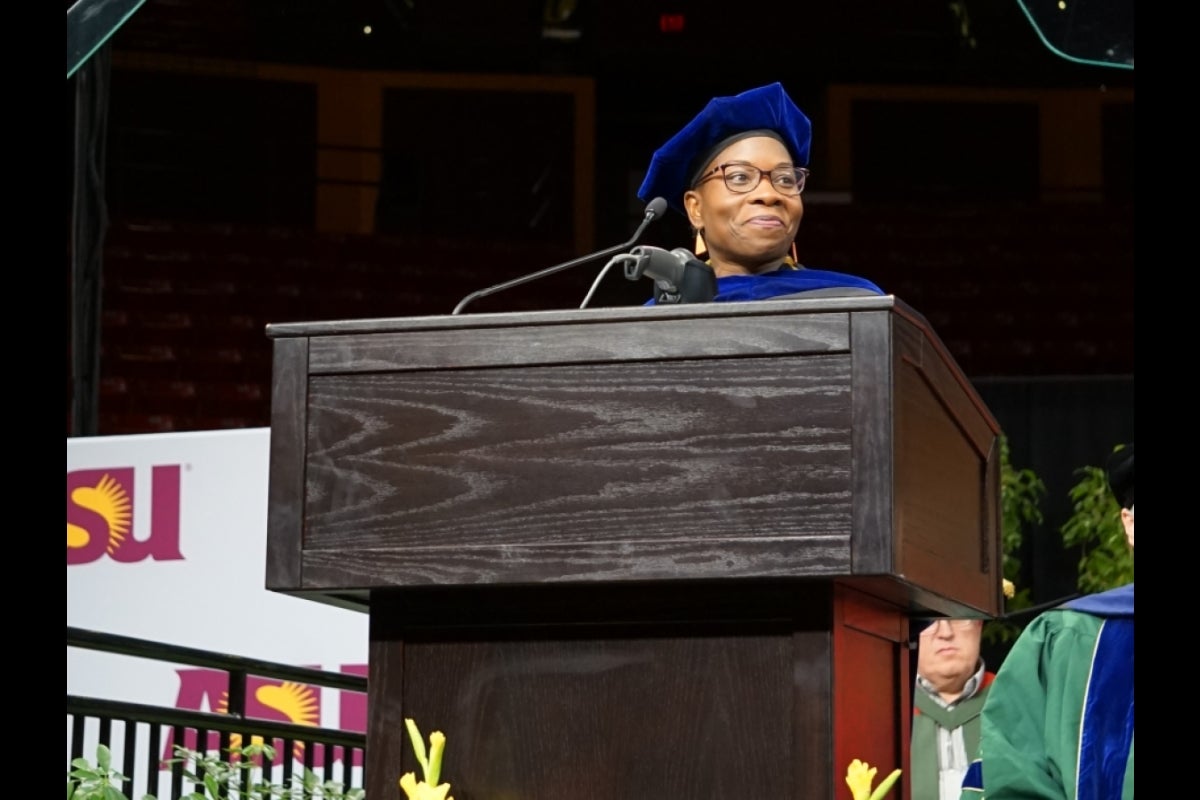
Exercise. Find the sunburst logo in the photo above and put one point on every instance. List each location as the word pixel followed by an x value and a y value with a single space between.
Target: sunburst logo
pixel 207 690
pixel 296 702
pixel 111 502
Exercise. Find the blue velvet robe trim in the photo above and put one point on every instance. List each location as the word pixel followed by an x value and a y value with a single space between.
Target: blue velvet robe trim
pixel 784 281
pixel 1113 603
pixel 1107 728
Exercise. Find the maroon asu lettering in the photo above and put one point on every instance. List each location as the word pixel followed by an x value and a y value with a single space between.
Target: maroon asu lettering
pixel 285 701
pixel 100 516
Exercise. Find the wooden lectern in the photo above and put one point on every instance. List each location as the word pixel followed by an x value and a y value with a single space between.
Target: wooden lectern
pixel 664 552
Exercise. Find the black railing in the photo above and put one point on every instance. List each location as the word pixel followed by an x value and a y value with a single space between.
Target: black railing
pixel 137 734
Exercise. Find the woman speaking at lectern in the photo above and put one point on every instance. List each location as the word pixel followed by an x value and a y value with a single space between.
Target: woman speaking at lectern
pixel 737 172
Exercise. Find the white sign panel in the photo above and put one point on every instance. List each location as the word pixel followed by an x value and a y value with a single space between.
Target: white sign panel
pixel 167 541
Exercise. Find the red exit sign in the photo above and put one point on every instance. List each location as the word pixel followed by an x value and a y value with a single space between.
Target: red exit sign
pixel 670 23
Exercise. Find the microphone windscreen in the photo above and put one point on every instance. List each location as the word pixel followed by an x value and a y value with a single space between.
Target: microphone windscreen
pixel 656 207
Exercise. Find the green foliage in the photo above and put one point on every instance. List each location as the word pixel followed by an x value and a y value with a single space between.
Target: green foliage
pixel 1021 493
pixel 242 777
pixel 98 782
pixel 239 776
pixel 1106 559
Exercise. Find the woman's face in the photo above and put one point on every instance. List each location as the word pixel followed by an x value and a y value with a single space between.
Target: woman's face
pixel 745 233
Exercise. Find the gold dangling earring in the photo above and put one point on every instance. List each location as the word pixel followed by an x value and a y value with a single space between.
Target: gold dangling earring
pixel 701 248
pixel 795 258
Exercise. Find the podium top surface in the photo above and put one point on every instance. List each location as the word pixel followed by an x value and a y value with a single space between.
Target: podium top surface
pixel 757 308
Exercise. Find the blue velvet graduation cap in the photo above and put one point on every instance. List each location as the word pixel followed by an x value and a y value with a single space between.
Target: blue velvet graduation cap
pixel 723 121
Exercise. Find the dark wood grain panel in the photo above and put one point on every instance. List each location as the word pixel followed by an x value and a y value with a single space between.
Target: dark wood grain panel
pixel 684 559
pixel 943 484
pixel 682 690
pixel 285 494
pixel 610 717
pixel 387 740
pixel 991 538
pixel 873 399
pixel 811 757
pixel 580 454
pixel 919 349
pixel 947 469
pixel 566 470
pixel 636 340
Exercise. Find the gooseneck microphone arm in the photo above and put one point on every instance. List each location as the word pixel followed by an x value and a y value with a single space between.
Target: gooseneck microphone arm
pixel 654 210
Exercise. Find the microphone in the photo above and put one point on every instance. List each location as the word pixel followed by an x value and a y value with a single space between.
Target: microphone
pixel 654 209
pixel 679 277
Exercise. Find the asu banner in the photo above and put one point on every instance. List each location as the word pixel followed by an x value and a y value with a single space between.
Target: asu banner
pixel 167 541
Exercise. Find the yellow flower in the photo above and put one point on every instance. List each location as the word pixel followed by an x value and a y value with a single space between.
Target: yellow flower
pixel 859 777
pixel 422 790
pixel 1009 589
pixel 437 746
pixel 431 766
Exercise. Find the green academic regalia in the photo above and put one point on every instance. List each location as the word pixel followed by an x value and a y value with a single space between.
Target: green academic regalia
pixel 928 716
pixel 1058 721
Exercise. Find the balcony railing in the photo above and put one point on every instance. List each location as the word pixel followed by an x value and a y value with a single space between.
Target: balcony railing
pixel 139 734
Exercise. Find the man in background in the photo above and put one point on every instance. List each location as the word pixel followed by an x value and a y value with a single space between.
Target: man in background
pixel 947 703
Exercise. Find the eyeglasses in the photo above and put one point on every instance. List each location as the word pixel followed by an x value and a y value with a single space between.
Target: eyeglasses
pixel 957 625
pixel 743 178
